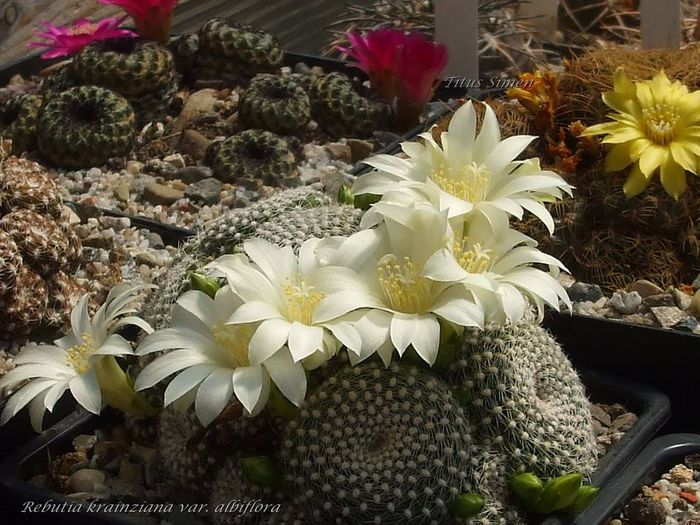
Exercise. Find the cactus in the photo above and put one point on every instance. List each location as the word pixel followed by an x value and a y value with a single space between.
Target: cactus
pixel 342 111
pixel 253 155
pixel 275 103
pixel 85 126
pixel 26 184
pixel 18 121
pixel 285 219
pixel 375 445
pixel 525 396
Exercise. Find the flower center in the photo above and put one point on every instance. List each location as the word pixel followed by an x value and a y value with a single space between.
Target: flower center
pixel 472 258
pixel 469 183
pixel 661 122
pixel 78 356
pixel 403 286
pixel 300 299
pixel 85 29
pixel 235 340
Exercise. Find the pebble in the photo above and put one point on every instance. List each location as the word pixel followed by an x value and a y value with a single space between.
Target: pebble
pixel 340 151
pixel 134 167
pixel 667 316
pixel 198 103
pixel 696 283
pixel 161 194
pixel 176 160
pixel 626 302
pixel 694 307
pixel 194 144
pixel 154 258
pixel 645 288
pixel 359 150
pixel 623 422
pixel 207 191
pixel 190 174
pixel 86 480
pixel 662 299
pixel 689 324
pixel 582 292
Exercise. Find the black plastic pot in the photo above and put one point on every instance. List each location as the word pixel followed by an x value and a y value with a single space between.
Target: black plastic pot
pixel 656 459
pixel 652 407
pixel 666 359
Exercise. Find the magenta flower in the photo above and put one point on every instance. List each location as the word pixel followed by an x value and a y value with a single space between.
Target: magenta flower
pixel 151 17
pixel 402 67
pixel 68 40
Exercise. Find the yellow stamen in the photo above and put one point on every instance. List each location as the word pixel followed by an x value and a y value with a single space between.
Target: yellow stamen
pixel 660 122
pixel 235 339
pixel 469 183
pixel 300 299
pixel 472 258
pixel 403 286
pixel 78 356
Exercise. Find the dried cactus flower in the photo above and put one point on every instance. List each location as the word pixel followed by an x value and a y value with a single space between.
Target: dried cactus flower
pixel 539 94
pixel 656 127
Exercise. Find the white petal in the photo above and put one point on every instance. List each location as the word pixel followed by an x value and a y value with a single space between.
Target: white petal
pixel 54 394
pixel 248 386
pixel 388 164
pixel 270 336
pixel 426 338
pixel 31 371
pixel 453 306
pixel 253 312
pixel 507 151
pixel 86 391
pixel 403 331
pixel 133 321
pixel 115 344
pixel 213 395
pixel 539 211
pixel 185 382
pixel 340 303
pixel 489 137
pixel 347 335
pixel 80 319
pixel 24 395
pixel 442 267
pixel 37 411
pixel 304 340
pixel 278 264
pixel 289 376
pixel 167 365
pixel 171 338
pixel 198 304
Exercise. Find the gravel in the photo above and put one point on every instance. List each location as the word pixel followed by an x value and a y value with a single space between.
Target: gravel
pixel 674 499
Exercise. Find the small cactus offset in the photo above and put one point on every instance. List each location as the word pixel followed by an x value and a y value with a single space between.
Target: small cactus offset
pixel 524 394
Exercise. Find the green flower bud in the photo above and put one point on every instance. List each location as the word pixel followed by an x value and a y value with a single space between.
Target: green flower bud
pixel 584 497
pixel 559 493
pixel 467 505
pixel 345 195
pixel 204 284
pixel 280 405
pixel 528 488
pixel 261 471
pixel 364 201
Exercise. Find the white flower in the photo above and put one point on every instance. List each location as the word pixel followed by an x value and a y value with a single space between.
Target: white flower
pixel 398 305
pixel 494 262
pixel 213 361
pixel 83 362
pixel 468 172
pixel 282 292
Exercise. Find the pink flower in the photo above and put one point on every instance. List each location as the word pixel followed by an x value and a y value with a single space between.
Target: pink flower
pixel 419 65
pixel 376 54
pixel 68 40
pixel 402 68
pixel 151 17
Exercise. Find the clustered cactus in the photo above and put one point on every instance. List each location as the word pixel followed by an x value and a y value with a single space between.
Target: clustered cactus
pixel 227 51
pixel 253 155
pixel 38 251
pixel 275 103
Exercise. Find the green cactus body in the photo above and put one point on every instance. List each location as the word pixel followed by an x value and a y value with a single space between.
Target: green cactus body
pixel 252 155
pixel 376 445
pixel 85 126
pixel 234 50
pixel 18 121
pixel 525 395
pixel 275 103
pixel 288 218
pixel 342 111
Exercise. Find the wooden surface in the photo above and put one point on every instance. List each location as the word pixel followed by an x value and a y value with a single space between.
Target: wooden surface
pixel 299 24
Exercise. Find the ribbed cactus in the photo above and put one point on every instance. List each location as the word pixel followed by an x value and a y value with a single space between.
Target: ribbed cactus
pixel 526 397
pixel 191 454
pixel 376 445
pixel 286 219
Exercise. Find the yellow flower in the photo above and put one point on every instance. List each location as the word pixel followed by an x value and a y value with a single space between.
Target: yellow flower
pixel 656 127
